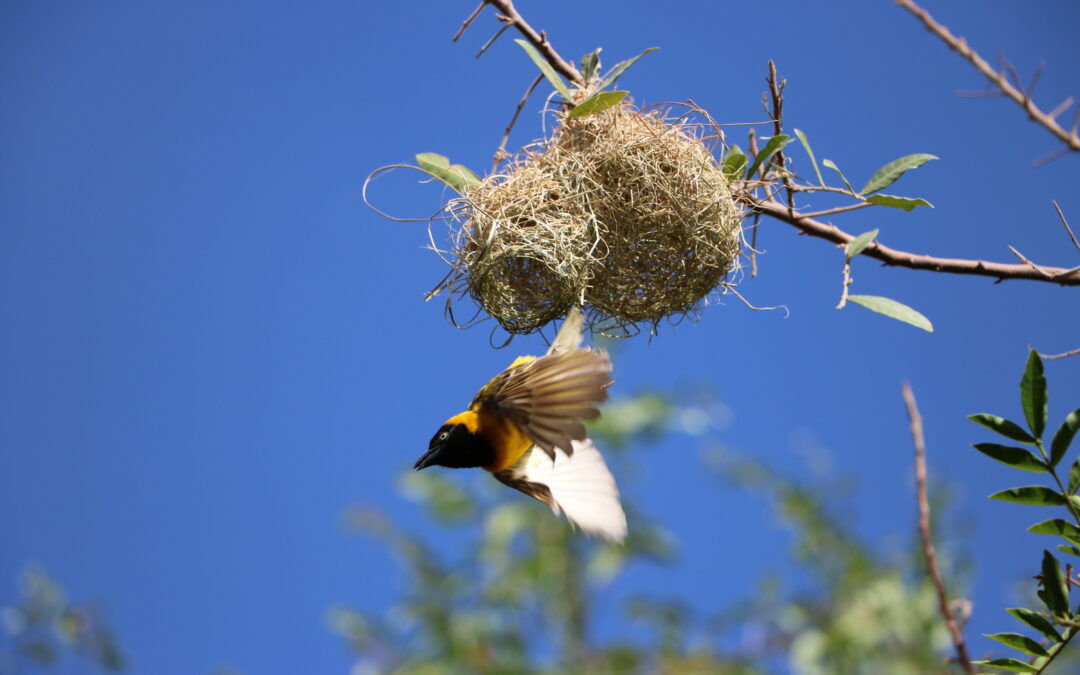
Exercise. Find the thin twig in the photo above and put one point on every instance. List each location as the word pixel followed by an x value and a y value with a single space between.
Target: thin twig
pixel 1063 355
pixel 466 22
pixel 824 188
pixel 960 46
pixel 1034 80
pixel 891 256
pixel 1065 105
pixel 1050 156
pixel 847 283
pixel 494 37
pixel 751 144
pixel 1030 264
pixel 500 154
pixel 924 531
pixel 776 91
pixel 1066 224
pixel 838 209
pixel 539 40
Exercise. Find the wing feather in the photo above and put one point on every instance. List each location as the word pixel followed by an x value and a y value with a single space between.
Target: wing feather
pixel 546 398
pixel 578 485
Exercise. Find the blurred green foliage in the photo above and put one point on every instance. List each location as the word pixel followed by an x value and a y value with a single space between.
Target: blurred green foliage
pixel 45 631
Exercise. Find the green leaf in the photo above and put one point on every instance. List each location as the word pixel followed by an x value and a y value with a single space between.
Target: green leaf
pixel 892 201
pixel 1059 527
pixel 888 174
pixel 1019 642
pixel 590 65
pixel 598 102
pixel 456 176
pixel 621 68
pixel 775 145
pixel 859 243
pixel 1003 426
pixel 832 165
pixel 1036 621
pixel 893 309
pixel 547 70
pixel 1015 665
pixel 1015 457
pixel 1065 548
pixel 1074 477
pixel 433 163
pixel 806 146
pixel 1033 394
pixel 734 162
pixel 1055 591
pixel 1063 438
pixel 1035 495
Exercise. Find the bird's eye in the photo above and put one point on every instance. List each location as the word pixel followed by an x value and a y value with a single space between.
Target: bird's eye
pixel 444 435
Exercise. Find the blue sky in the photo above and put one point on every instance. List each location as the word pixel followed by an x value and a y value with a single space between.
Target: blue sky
pixel 211 348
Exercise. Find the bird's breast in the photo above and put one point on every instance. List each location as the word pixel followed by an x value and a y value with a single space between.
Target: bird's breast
pixel 504 437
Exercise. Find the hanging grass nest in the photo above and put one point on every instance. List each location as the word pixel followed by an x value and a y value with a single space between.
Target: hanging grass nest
pixel 625 212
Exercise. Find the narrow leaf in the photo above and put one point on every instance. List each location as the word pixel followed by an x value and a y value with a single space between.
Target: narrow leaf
pixel 893 309
pixel 547 70
pixel 1072 550
pixel 598 102
pixel 1014 665
pixel 734 163
pixel 832 165
pixel 892 201
pixel 1036 621
pixel 590 65
pixel 621 68
pixel 1055 587
pixel 432 162
pixel 1003 426
pixel 806 146
pixel 775 144
pixel 859 243
pixel 1074 477
pixel 1033 394
pixel 456 176
pixel 459 177
pixel 1016 457
pixel 1019 642
pixel 888 174
pixel 1059 527
pixel 1063 438
pixel 1035 495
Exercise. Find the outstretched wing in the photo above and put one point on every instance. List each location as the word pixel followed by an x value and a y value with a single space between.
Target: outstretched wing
pixel 579 485
pixel 547 398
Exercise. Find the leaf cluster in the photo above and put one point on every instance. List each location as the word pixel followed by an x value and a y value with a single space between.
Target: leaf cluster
pixel 46 630
pixel 1057 620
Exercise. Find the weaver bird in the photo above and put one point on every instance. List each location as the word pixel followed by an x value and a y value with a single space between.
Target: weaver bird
pixel 524 426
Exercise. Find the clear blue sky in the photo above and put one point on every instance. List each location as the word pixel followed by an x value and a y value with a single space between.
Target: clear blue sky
pixel 210 347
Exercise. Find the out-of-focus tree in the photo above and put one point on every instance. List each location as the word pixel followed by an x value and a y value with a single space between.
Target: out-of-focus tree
pixel 47 632
pixel 520 599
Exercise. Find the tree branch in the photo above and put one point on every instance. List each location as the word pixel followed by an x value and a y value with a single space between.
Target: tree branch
pixel 891 256
pixel 924 531
pixel 510 16
pixel 501 153
pixel 1022 98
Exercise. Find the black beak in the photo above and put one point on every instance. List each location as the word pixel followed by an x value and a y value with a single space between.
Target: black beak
pixel 428 458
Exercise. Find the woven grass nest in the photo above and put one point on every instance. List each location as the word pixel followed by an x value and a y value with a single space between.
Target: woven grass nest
pixel 625 213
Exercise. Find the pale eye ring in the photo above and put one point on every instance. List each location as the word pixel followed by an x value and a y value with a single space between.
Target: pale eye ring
pixel 444 435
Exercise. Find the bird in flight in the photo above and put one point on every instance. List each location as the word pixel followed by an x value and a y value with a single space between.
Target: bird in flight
pixel 525 427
